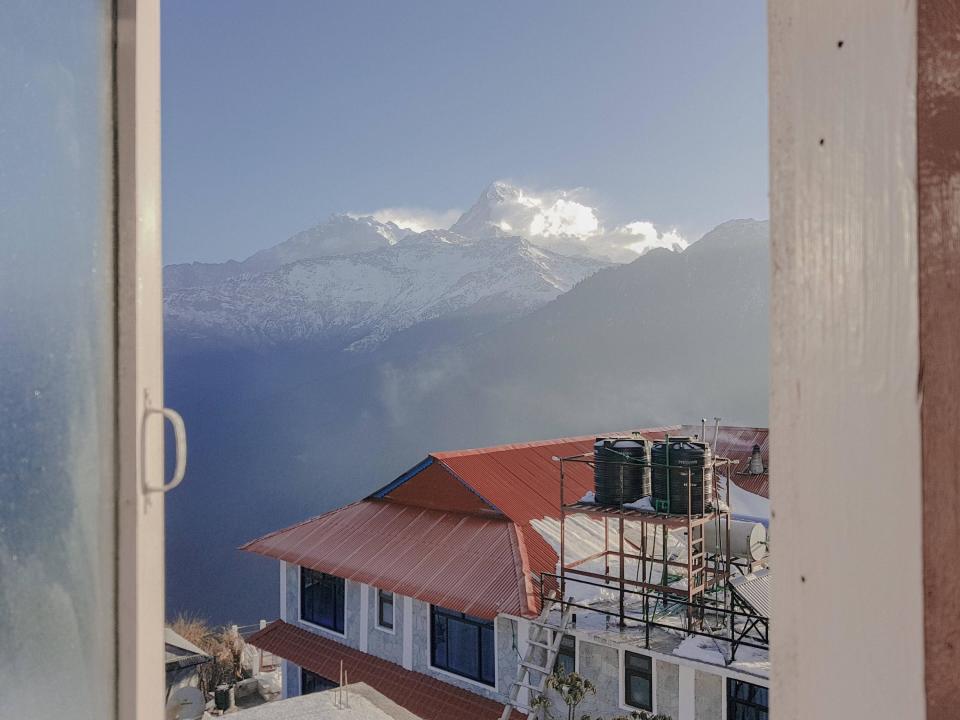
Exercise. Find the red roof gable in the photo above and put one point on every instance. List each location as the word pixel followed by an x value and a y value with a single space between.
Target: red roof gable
pixel 474 564
pixel 424 696
pixel 522 480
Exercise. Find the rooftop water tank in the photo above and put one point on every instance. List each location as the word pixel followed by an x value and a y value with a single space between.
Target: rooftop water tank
pixel 690 463
pixel 748 540
pixel 621 469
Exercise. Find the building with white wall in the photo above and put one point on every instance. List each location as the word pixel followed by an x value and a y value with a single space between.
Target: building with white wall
pixel 432 589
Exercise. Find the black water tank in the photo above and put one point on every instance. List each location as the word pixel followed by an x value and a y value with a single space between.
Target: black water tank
pixel 688 459
pixel 621 470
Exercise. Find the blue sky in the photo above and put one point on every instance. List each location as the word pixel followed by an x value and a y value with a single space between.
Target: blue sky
pixel 276 115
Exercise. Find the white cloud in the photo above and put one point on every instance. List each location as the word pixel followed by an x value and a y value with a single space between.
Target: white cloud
pixel 563 221
pixel 416 219
pixel 647 237
pixel 565 218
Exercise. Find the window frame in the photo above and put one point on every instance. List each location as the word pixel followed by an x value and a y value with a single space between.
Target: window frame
pixel 576 652
pixel 378 619
pixel 303 677
pixel 343 605
pixel 624 692
pixel 140 568
pixel 479 623
pixel 730 701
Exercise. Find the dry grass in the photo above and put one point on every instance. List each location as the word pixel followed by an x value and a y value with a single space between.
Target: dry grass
pixel 222 644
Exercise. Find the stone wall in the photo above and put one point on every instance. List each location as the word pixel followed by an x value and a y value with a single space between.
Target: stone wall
pixel 351 620
pixel 709 693
pixel 507 660
pixel 386 644
pixel 600 664
pixel 667 679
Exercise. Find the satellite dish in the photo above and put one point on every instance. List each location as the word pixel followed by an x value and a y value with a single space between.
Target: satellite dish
pixel 186 703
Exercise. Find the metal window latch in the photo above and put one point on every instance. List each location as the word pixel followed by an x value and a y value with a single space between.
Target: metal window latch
pixel 180 443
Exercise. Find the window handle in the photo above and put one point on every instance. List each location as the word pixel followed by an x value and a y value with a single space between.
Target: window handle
pixel 180 443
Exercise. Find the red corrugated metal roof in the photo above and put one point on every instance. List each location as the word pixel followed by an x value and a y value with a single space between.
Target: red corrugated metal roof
pixel 465 562
pixel 522 480
pixel 481 555
pixel 424 696
pixel 737 444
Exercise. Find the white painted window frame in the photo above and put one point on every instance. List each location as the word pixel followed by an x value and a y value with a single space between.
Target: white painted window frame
pixel 140 683
pixel 314 626
pixel 376 612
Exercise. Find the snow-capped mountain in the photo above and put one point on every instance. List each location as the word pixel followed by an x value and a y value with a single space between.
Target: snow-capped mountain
pixel 340 235
pixel 357 300
pixel 559 221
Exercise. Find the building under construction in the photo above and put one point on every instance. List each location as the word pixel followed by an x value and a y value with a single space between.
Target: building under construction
pixel 635 559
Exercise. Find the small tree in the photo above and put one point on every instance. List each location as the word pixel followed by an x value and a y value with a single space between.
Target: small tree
pixel 573 689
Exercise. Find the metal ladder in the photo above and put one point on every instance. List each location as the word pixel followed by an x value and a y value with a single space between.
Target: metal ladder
pixel 541 640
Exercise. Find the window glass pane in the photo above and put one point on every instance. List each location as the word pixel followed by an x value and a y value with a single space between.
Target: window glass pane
pixel 463 651
pixel 321 599
pixel 747 701
pixel 567 657
pixel 640 692
pixel 311 683
pixel 487 654
pixel 464 645
pixel 386 609
pixel 57 330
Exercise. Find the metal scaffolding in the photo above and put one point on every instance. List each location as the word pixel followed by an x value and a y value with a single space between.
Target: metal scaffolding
pixel 705 604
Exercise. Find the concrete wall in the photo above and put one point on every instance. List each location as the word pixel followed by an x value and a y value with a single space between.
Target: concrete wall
pixel 351 623
pixel 507 660
pixel 389 646
pixel 666 678
pixel 600 664
pixel 384 643
pixel 709 694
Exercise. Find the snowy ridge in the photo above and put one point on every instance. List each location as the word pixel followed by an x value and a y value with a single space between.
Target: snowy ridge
pixel 362 298
pixel 340 235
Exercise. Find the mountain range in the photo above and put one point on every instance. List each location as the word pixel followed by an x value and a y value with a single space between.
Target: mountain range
pixel 321 368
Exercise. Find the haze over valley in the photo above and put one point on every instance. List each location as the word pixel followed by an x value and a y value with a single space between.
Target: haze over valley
pixel 319 369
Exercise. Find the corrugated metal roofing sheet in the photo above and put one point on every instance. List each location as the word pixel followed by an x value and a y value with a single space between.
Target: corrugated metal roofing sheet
pixel 522 480
pixel 459 561
pixel 424 696
pixel 754 590
pixel 737 444
pixel 448 545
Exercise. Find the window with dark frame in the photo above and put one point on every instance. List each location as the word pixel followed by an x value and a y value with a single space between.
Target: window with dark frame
pixel 638 681
pixel 311 682
pixel 321 599
pixel 385 609
pixel 746 701
pixel 566 655
pixel 463 645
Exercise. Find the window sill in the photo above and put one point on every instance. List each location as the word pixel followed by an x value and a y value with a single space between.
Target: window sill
pixel 321 628
pixel 461 678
